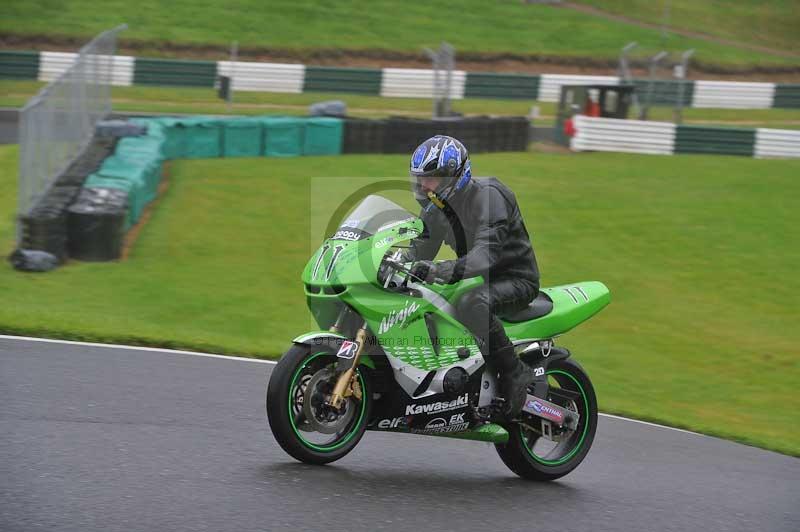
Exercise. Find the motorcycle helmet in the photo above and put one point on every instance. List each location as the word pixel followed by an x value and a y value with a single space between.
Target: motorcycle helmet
pixel 443 157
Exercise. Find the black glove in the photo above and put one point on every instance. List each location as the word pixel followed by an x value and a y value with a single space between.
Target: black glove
pixel 425 270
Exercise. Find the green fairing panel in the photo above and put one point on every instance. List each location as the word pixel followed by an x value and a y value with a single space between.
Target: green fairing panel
pixel 400 328
pixel 344 269
pixel 309 336
pixel 345 262
pixel 572 305
pixel 341 266
pixel 452 292
pixel 490 433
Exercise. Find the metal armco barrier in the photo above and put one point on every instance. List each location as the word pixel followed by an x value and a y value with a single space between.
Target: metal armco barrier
pixel 777 143
pixel 633 136
pixel 266 77
pixel 723 141
pixel 175 73
pixel 511 86
pixel 354 80
pixel 786 96
pixel 398 82
pixel 733 95
pixel 418 83
pixel 54 64
pixel 664 138
pixel 19 65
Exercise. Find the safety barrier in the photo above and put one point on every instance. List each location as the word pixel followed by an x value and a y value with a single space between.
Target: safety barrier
pixel 635 136
pixel 399 82
pixel 267 77
pixel 115 195
pixel 19 65
pixel 53 64
pixel 175 73
pixel 777 143
pixel 733 95
pixel 418 83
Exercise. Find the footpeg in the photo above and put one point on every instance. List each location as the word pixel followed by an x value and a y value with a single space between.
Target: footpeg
pixel 494 411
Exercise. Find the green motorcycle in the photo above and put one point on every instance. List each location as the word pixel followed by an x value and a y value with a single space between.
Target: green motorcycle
pixel 390 355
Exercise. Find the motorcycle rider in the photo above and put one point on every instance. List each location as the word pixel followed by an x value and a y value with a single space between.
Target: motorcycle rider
pixel 481 221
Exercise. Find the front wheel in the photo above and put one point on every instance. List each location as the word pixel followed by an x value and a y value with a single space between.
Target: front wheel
pixel 532 456
pixel 297 411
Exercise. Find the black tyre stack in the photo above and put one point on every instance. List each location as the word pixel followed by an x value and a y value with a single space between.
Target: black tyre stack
pixel 96 224
pixel 364 135
pixel 44 228
pixel 403 134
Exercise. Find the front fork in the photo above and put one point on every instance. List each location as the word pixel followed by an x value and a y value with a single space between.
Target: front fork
pixel 347 384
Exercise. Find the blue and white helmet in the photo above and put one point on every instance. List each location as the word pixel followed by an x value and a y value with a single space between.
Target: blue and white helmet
pixel 440 156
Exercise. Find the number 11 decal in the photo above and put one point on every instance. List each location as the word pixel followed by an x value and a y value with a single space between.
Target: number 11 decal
pixel 319 260
pixel 336 251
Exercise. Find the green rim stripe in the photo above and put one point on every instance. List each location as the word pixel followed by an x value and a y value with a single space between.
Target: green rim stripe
pixel 291 417
pixel 583 435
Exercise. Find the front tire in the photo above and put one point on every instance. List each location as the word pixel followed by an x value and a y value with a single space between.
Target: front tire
pixel 300 367
pixel 545 460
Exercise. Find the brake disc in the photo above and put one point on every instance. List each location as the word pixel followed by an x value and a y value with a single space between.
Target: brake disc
pixel 319 416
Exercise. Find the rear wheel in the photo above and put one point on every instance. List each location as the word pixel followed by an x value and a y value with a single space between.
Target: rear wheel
pixel 297 411
pixel 531 455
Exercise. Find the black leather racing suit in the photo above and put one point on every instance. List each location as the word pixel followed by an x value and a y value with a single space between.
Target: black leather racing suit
pixel 484 226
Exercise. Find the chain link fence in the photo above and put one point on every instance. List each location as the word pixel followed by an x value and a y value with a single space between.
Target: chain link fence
pixel 57 124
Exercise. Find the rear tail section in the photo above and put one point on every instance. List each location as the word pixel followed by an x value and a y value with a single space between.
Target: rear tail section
pixel 572 304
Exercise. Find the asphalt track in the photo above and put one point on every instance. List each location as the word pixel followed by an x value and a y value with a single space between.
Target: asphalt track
pixel 98 438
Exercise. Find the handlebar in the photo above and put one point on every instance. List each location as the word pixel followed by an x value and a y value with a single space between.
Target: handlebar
pixel 400 267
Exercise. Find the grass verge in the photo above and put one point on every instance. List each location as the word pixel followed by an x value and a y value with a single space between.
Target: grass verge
pixel 698 251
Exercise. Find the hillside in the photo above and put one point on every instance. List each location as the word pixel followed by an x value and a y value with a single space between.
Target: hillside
pixel 756 23
pixel 508 29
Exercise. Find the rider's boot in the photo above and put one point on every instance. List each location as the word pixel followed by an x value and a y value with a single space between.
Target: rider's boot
pixel 515 377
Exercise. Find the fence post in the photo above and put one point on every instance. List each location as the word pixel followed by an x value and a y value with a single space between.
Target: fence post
pixel 680 73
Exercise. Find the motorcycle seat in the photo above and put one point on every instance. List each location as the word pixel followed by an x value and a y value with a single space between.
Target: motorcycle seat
pixel 541 306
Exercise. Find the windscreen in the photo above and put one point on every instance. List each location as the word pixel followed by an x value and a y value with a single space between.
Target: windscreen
pixel 372 214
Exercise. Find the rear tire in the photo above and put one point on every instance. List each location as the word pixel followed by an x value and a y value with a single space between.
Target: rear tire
pixel 285 396
pixel 520 452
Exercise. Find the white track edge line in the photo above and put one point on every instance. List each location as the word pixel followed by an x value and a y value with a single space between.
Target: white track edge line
pixel 653 424
pixel 136 348
pixel 257 360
